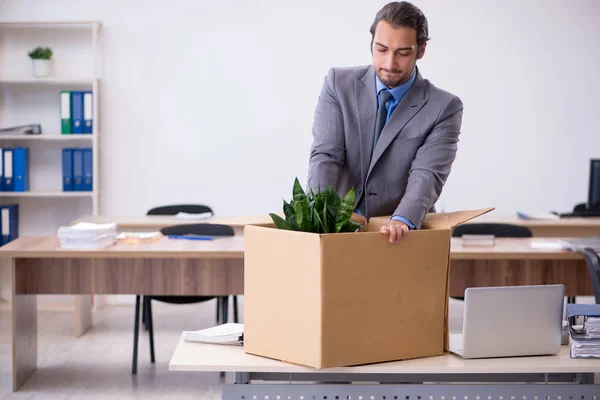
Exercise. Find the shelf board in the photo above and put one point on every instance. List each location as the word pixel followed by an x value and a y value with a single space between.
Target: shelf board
pixel 47 24
pixel 46 194
pixel 47 81
pixel 49 137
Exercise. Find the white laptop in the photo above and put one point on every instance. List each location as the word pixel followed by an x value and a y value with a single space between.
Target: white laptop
pixel 510 321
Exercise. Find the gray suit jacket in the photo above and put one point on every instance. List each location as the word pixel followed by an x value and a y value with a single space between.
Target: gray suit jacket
pixel 405 172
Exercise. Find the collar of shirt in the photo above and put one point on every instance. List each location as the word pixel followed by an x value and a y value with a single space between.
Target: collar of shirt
pixel 399 91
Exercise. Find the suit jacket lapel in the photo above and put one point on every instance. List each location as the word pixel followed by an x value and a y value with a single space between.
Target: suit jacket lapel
pixel 366 109
pixel 408 107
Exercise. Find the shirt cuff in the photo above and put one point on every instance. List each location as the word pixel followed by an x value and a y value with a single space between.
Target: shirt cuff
pixel 405 220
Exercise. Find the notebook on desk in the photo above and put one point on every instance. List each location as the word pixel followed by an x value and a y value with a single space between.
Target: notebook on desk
pixel 510 321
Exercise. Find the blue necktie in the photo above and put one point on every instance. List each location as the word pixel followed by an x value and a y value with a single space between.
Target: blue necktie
pixel 385 96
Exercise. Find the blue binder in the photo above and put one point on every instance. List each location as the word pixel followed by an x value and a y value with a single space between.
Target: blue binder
pixel 77 112
pixel 9 223
pixel 88 112
pixel 21 168
pixel 67 169
pixel 1 170
pixel 9 182
pixel 88 166
pixel 78 170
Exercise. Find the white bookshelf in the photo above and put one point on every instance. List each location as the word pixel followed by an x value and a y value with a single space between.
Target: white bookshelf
pixel 25 99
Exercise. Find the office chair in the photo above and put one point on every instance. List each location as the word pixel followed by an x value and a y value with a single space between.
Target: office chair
pixel 593 263
pixel 498 230
pixel 146 301
pixel 177 208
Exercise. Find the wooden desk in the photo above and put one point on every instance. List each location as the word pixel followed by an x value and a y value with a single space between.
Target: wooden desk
pixel 166 267
pixel 182 267
pixel 564 227
pixel 201 357
pixel 156 222
pixel 513 262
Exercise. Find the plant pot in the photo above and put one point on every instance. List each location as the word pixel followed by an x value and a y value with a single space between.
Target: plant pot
pixel 41 68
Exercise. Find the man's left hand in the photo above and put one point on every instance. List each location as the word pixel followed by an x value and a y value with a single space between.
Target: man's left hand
pixel 396 230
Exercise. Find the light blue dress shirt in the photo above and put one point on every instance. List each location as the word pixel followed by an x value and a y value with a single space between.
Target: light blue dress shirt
pixel 397 94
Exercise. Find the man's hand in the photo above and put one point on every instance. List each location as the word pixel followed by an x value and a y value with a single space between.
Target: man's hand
pixel 396 229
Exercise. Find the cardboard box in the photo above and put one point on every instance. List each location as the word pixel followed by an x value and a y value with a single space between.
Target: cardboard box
pixel 330 300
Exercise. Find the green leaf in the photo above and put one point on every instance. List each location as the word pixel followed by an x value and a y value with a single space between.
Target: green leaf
pixel 348 226
pixel 346 207
pixel 280 223
pixel 302 214
pixel 298 193
pixel 290 218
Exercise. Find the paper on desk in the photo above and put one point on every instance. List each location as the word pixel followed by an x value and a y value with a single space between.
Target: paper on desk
pixel 184 215
pixel 139 235
pixel 222 334
pixel 547 245
pixel 527 215
pixel 89 226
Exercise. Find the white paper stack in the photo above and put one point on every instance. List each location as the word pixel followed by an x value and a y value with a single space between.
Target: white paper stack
pixel 183 215
pixel 85 235
pixel 478 240
pixel 220 334
pixel 587 343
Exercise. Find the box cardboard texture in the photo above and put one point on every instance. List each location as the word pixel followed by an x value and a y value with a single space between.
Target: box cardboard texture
pixel 332 300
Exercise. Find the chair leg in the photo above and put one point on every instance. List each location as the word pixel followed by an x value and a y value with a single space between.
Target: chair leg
pixel 144 312
pixel 235 310
pixel 136 328
pixel 218 310
pixel 150 327
pixel 225 309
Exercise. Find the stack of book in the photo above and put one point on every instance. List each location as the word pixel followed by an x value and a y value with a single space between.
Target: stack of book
pixel 85 235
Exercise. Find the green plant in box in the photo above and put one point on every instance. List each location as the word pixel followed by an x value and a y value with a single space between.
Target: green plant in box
pixel 321 212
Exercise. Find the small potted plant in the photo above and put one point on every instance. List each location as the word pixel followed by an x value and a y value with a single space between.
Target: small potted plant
pixel 41 57
pixel 321 212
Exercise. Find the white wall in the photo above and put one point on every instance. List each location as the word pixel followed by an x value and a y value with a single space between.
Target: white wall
pixel 213 101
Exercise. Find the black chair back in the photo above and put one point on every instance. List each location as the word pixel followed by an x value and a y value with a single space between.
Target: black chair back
pixel 198 229
pixel 593 263
pixel 498 230
pixel 177 208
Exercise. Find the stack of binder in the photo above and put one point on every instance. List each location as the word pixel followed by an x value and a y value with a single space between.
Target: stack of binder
pixel 584 340
pixel 76 112
pixel 14 169
pixel 85 235
pixel 78 170
pixel 9 222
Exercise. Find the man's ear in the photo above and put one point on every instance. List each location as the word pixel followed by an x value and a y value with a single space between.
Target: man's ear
pixel 421 51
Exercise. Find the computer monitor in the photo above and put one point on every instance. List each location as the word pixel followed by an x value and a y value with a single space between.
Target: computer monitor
pixel 594 190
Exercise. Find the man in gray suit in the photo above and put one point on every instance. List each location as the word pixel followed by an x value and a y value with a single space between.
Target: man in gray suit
pixel 385 130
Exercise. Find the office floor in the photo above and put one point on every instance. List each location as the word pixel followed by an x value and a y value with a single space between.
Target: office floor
pixel 98 365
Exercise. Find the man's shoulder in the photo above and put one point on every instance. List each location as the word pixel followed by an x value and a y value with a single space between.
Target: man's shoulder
pixel 437 94
pixel 348 73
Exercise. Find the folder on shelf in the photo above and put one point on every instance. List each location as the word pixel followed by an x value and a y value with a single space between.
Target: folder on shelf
pixel 77 112
pixel 9 183
pixel 21 168
pixel 87 112
pixel 9 223
pixel 1 169
pixel 67 169
pixel 88 166
pixel 65 112
pixel 78 170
